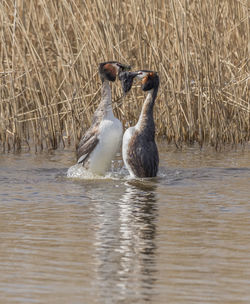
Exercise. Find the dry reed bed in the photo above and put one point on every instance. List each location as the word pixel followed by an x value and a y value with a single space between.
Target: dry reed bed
pixel 50 50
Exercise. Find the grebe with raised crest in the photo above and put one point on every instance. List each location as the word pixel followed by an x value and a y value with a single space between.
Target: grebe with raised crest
pixel 103 139
pixel 139 150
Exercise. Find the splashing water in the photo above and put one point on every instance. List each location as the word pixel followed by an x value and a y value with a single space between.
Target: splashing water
pixel 79 172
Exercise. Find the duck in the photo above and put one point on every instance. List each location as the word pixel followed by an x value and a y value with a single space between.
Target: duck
pixel 139 150
pixel 103 139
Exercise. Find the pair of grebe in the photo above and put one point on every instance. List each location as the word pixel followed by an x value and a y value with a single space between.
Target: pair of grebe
pixel 103 139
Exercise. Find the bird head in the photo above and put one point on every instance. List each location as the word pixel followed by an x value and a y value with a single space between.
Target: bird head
pixel 110 69
pixel 149 79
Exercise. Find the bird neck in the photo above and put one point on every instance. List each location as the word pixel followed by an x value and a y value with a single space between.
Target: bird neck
pixel 146 119
pixel 106 98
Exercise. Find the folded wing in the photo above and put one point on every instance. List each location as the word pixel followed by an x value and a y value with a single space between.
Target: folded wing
pixel 87 145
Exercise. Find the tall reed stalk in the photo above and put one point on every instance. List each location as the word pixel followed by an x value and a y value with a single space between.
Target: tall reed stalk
pixel 49 55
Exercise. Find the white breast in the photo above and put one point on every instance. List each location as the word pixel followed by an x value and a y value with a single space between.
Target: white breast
pixel 109 142
pixel 125 144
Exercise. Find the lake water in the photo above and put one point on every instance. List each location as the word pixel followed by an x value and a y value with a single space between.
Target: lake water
pixel 183 237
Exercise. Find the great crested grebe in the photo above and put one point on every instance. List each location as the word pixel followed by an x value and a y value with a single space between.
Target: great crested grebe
pixel 102 140
pixel 139 150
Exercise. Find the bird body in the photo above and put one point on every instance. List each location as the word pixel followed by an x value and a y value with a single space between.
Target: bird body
pixel 103 139
pixel 139 150
pixel 109 140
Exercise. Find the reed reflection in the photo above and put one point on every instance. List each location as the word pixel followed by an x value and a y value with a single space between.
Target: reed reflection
pixel 126 244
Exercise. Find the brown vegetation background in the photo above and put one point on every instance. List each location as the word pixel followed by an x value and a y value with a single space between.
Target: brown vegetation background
pixel 50 51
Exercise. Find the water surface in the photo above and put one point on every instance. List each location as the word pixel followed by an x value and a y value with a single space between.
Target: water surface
pixel 182 237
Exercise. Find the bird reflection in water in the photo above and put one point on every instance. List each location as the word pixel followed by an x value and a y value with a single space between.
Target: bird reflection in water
pixel 126 244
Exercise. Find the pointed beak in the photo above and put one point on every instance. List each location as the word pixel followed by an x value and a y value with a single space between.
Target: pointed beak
pixel 135 74
pixel 139 74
